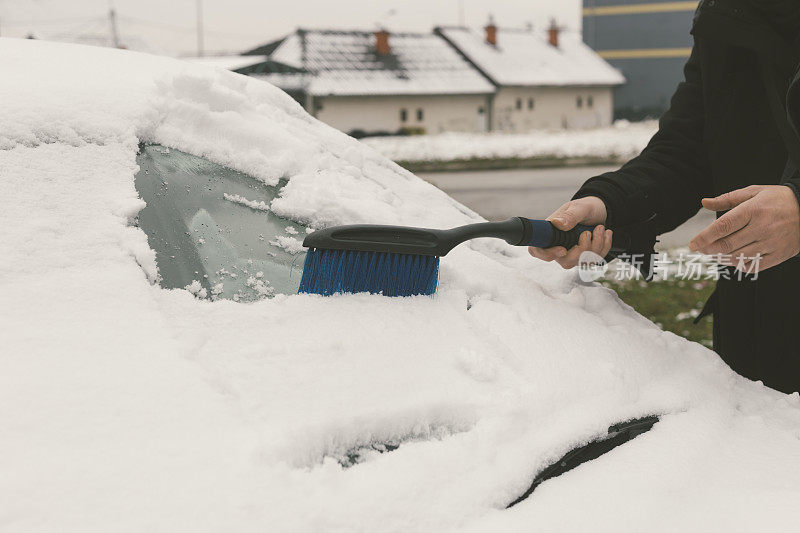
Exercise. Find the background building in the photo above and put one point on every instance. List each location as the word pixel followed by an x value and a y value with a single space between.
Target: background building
pixel 648 41
pixel 367 83
pixel 544 80
pixel 453 79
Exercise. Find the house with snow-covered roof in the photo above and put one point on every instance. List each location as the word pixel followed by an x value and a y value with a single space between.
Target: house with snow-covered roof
pixel 543 79
pixel 453 79
pixel 364 82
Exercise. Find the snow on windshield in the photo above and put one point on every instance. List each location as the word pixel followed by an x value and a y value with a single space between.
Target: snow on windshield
pixel 154 409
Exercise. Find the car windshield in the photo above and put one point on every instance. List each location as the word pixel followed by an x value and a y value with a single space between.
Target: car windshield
pixel 212 230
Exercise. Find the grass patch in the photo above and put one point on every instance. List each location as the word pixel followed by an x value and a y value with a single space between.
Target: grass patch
pixel 672 304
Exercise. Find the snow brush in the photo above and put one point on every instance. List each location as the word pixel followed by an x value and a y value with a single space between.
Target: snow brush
pixel 404 261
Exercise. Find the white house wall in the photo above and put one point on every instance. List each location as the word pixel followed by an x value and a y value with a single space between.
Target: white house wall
pixel 383 113
pixel 553 108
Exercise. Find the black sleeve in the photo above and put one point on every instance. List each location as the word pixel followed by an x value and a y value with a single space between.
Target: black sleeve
pixel 792 175
pixel 671 174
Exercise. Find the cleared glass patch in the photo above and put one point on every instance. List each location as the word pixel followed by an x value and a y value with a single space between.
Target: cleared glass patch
pixel 212 229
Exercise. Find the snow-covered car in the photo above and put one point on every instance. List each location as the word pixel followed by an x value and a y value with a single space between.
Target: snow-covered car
pixel 158 373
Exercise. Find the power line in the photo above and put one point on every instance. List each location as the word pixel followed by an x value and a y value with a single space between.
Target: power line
pixel 185 29
pixel 46 21
pixel 83 21
pixel 92 24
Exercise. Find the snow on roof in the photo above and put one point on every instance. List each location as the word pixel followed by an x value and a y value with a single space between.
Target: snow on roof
pixel 226 62
pixel 525 58
pixel 158 410
pixel 345 62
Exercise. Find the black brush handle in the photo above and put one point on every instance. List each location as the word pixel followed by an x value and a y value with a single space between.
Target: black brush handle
pixel 542 234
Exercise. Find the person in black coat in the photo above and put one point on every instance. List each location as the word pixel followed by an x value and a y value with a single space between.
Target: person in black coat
pixel 729 143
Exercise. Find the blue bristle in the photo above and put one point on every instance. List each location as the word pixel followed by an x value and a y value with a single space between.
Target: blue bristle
pixel 329 272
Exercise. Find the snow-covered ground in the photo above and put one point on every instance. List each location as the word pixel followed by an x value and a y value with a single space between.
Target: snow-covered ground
pixel 622 140
pixel 128 407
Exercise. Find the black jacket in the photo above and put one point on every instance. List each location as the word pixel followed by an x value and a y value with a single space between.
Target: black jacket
pixel 727 128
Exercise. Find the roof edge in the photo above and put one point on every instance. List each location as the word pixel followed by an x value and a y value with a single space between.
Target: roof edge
pixel 438 30
pixel 268 48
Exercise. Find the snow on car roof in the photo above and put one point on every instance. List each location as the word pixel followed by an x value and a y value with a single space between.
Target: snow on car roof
pixel 128 406
pixel 525 58
pixel 345 63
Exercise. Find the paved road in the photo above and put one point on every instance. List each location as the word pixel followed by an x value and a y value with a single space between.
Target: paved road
pixel 535 193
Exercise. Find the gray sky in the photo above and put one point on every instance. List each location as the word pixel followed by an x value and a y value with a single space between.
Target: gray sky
pixel 232 25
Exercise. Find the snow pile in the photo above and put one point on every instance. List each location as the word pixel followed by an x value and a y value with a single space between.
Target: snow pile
pixel 622 140
pixel 125 406
pixel 252 204
pixel 290 244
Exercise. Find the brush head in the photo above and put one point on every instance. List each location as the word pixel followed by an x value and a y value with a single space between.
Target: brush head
pixel 328 272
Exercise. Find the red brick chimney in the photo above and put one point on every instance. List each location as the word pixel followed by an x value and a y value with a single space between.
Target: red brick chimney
pixel 491 32
pixel 552 33
pixel 382 43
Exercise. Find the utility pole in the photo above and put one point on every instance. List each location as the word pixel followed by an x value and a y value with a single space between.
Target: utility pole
pixel 112 21
pixel 200 28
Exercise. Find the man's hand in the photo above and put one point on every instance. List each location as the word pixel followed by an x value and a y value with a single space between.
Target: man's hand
pixel 763 220
pixel 589 211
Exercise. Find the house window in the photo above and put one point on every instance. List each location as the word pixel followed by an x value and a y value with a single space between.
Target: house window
pixel 519 103
pixel 420 115
pixel 404 115
pixel 589 101
pixel 579 102
pixel 531 103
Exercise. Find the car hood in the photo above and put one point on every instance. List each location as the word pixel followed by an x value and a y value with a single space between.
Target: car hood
pixel 128 406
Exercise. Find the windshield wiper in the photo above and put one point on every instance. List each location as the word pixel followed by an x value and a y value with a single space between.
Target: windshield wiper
pixel 617 434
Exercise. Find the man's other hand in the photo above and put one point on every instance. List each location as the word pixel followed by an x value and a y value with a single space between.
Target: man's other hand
pixel 764 221
pixel 589 211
